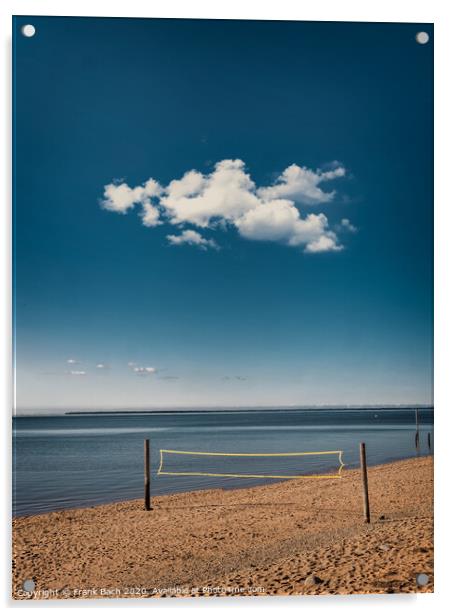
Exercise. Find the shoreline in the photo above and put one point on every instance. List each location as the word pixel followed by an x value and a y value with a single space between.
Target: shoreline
pixel 347 467
pixel 273 536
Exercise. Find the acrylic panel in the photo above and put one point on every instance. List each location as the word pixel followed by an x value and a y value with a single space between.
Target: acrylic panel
pixel 223 303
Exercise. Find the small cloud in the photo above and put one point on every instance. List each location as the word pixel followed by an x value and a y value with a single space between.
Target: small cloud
pixel 169 378
pixel 150 215
pixel 323 244
pixel 235 378
pixel 131 364
pixel 192 238
pixel 347 225
pixel 302 185
pixel 77 372
pixel 120 197
pixel 72 362
pixel 101 366
pixel 144 370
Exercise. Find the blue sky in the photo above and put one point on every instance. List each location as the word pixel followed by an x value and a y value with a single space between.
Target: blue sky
pixel 281 254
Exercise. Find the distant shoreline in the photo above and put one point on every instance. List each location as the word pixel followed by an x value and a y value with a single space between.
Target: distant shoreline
pixel 251 409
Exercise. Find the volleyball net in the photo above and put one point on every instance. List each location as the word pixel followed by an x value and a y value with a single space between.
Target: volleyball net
pixel 294 465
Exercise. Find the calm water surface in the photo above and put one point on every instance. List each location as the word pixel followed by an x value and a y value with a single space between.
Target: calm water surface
pixel 78 460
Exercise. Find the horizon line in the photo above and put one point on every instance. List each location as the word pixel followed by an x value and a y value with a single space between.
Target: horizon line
pixel 204 408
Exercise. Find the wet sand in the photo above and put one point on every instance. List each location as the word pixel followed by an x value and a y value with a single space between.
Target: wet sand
pixel 302 536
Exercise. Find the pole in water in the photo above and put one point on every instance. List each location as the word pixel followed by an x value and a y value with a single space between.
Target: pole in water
pixel 147 476
pixel 366 507
pixel 429 442
pixel 416 438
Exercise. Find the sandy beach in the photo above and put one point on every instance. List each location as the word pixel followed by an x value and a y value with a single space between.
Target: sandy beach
pixel 302 536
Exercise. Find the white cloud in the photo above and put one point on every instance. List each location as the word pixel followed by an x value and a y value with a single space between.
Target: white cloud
pixel 281 221
pixel 191 184
pixel 101 366
pixel 72 361
pixel 225 194
pixel 120 197
pixel 77 372
pixel 228 197
pixel 191 237
pixel 347 225
pixel 150 215
pixel 144 370
pixel 302 185
pixel 323 244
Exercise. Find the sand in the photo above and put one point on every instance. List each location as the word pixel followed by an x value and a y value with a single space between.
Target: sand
pixel 302 536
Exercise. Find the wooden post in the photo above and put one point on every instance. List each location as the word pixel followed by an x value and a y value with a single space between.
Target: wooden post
pixel 147 476
pixel 362 455
pixel 416 438
pixel 429 442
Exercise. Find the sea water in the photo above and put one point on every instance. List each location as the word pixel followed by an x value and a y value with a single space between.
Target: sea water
pixel 79 460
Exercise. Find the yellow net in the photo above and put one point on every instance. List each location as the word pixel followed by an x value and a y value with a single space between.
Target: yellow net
pixel 338 475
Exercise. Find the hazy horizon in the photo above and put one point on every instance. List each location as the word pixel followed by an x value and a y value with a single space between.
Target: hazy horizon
pixel 147 409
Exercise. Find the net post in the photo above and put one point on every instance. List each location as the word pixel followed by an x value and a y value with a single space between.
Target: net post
pixel 362 455
pixel 416 438
pixel 147 476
